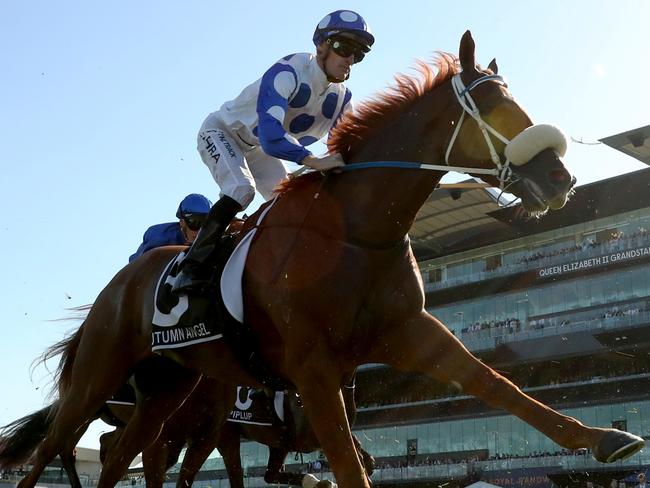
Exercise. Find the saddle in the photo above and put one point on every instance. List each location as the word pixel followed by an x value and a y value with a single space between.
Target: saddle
pixel 197 318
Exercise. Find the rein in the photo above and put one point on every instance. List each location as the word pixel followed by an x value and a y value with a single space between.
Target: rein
pixel 502 172
pixel 416 165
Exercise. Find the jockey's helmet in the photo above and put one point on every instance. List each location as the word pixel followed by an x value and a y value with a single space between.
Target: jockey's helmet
pixel 192 205
pixel 344 23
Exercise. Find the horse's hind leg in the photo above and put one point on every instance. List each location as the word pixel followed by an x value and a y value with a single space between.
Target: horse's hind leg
pixel 161 386
pixel 91 385
pixel 71 417
pixel 68 459
pixel 423 344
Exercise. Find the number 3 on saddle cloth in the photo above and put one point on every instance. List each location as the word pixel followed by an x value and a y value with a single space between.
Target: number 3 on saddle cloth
pixel 184 320
pixel 216 314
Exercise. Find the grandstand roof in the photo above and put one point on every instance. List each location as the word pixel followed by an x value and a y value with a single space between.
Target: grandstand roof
pixel 452 216
pixel 635 143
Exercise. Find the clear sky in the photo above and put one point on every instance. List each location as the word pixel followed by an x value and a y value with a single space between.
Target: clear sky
pixel 100 103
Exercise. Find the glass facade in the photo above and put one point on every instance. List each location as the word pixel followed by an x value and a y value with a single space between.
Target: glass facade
pixel 503 435
pixel 532 305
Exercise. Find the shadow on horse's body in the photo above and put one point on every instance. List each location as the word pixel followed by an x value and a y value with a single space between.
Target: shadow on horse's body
pixel 331 282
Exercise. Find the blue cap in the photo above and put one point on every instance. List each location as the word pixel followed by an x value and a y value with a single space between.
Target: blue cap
pixel 193 204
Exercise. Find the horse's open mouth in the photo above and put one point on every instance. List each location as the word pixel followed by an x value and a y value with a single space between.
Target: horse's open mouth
pixel 536 200
pixel 533 198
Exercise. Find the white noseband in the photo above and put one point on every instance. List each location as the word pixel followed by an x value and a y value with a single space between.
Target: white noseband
pixel 520 150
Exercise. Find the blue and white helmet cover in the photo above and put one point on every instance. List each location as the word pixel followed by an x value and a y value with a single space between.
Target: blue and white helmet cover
pixel 343 21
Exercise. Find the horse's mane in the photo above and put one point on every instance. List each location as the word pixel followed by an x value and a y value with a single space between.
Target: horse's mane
pixel 374 114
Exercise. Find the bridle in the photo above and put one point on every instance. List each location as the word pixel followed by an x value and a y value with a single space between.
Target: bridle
pixel 503 173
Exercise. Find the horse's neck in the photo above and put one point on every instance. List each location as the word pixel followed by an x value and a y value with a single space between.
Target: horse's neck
pixel 382 203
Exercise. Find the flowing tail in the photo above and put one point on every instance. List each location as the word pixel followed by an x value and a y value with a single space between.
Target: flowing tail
pixel 19 439
pixel 67 348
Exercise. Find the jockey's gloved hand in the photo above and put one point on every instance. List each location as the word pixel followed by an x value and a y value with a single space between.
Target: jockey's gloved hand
pixel 323 162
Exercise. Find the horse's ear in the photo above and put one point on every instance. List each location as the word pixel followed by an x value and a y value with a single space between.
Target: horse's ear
pixel 493 66
pixel 466 52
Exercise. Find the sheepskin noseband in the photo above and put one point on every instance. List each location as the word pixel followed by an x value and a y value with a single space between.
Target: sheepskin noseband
pixel 533 140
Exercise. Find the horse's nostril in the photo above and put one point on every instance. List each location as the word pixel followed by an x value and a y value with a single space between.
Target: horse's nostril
pixel 559 176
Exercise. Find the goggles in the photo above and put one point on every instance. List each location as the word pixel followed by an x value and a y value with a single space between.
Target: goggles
pixel 345 48
pixel 194 222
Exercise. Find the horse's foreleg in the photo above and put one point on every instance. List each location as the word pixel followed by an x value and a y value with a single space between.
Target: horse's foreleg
pixel 275 474
pixel 197 452
pixel 365 457
pixel 321 396
pixel 425 345
pixel 214 401
pixel 164 387
pixel 154 461
pixel 229 447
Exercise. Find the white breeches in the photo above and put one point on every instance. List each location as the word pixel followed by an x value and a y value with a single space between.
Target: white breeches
pixel 237 168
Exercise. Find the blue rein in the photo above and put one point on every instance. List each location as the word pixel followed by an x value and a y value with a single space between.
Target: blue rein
pixel 415 165
pixel 381 164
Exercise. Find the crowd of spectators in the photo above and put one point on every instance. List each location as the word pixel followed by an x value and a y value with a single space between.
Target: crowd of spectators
pixel 408 461
pixel 615 241
pixel 539 454
pixel 510 325
pixel 513 325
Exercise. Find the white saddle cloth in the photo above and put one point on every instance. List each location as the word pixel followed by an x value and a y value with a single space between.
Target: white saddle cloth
pixel 231 278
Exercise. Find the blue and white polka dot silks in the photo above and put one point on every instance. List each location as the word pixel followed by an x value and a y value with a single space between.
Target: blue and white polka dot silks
pixel 290 107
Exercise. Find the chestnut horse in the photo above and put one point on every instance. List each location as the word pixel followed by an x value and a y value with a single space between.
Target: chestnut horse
pixel 331 282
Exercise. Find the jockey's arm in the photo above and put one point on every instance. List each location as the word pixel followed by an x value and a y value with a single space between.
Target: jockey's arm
pixel 276 87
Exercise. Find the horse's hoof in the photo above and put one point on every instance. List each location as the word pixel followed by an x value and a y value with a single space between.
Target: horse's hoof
pixel 325 484
pixel 616 445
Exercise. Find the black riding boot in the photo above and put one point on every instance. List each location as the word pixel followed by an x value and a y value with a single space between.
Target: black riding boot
pixel 195 273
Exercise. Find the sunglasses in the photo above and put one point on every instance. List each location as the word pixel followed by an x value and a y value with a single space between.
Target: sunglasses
pixel 346 48
pixel 194 222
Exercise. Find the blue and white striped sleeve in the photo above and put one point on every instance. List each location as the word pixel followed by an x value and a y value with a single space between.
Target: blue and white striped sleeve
pixel 276 87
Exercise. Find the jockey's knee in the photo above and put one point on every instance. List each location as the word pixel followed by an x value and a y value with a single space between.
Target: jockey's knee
pixel 243 195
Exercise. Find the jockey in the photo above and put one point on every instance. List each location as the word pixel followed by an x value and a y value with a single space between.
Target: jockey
pixel 191 214
pixel 294 104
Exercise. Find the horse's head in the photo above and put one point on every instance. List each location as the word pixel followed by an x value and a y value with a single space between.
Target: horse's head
pixel 495 131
